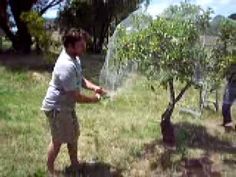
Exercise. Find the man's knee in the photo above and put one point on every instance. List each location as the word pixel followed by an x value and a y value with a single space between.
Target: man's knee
pixel 72 146
pixel 56 144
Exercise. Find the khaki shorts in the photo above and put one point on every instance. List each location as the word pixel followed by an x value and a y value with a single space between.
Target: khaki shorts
pixel 64 126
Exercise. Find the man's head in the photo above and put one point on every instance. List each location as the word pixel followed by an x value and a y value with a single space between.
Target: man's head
pixel 75 41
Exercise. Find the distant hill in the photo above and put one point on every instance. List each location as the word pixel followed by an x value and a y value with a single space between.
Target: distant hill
pixel 215 24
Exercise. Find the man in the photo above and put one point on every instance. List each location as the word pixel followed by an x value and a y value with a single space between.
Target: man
pixel 229 96
pixel 63 93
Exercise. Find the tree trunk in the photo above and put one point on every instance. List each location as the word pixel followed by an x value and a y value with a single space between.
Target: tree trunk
pixel 94 47
pixel 7 31
pixel 101 38
pixel 104 32
pixel 4 23
pixel 24 40
pixel 167 128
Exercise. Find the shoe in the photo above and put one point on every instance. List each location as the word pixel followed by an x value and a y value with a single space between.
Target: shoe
pixel 226 124
pixel 229 124
pixel 229 127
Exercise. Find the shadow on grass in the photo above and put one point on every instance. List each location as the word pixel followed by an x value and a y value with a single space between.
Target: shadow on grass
pixel 96 169
pixel 91 63
pixel 18 62
pixel 198 137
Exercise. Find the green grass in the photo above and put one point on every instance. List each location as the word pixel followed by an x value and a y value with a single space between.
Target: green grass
pixel 4 43
pixel 114 131
pixel 107 129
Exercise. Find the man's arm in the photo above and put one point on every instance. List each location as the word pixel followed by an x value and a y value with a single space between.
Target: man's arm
pixel 81 98
pixel 89 85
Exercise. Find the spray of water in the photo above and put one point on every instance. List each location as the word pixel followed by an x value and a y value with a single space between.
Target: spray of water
pixel 114 74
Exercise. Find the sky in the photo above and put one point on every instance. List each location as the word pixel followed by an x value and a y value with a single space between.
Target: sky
pixel 220 7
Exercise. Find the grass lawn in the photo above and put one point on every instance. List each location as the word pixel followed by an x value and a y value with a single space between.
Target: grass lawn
pixel 4 44
pixel 123 131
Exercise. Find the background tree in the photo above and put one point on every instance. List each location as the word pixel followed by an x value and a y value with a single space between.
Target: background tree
pixel 97 17
pixel 232 16
pixel 224 53
pixel 21 40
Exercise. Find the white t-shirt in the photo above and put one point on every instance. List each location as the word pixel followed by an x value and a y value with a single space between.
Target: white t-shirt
pixel 66 76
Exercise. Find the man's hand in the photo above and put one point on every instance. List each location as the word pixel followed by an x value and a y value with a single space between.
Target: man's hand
pixel 100 91
pixel 98 96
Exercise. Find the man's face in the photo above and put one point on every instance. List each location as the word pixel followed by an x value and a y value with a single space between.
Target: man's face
pixel 80 48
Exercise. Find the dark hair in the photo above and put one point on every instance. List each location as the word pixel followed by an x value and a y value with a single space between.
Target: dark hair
pixel 74 35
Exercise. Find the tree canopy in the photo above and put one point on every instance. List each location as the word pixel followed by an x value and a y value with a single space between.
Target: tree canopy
pixel 98 17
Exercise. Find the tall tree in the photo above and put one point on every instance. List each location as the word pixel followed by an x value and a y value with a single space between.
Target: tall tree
pixel 21 40
pixel 96 16
pixel 23 36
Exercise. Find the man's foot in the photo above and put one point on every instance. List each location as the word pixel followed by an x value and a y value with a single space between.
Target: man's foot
pixel 52 174
pixel 226 123
pixel 229 126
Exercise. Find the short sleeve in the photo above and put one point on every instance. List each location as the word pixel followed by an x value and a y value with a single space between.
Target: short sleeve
pixel 67 77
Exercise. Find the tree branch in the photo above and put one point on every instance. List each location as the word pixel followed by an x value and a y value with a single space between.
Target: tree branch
pixel 182 92
pixel 172 91
pixel 51 4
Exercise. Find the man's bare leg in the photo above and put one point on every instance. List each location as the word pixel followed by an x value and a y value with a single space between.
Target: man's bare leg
pixel 73 150
pixel 53 150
